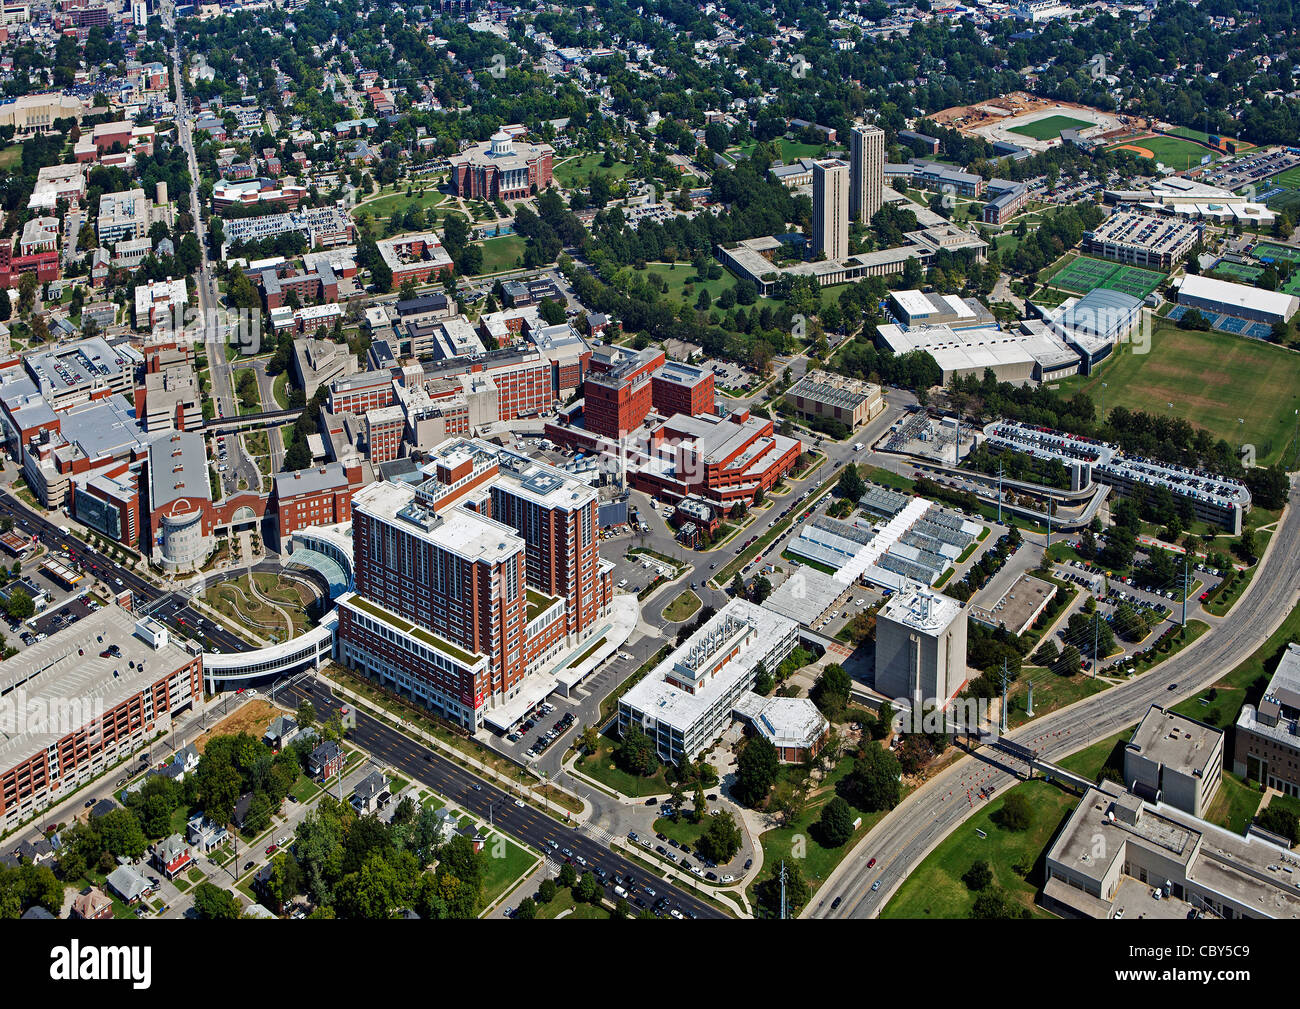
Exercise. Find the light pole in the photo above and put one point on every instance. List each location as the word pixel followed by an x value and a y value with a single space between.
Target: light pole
pixel 1103 402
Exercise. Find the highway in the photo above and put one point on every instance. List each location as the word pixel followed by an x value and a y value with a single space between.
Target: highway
pixel 527 824
pixel 912 829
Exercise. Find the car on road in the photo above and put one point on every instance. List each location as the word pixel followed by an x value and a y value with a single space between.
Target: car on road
pixel 728 878
pixel 875 886
pixel 871 863
pixel 836 902
pixel 271 849
pixel 1172 686
pixel 553 845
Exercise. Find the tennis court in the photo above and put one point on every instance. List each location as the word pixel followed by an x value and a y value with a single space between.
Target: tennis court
pixel 1237 271
pixel 1266 251
pixel 1082 275
pixel 1085 274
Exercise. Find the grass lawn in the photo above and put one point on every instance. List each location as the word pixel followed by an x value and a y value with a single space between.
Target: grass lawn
pixel 888 478
pixel 1210 378
pixel 505 253
pixel 790 150
pixel 1050 692
pixel 1092 760
pixel 684 831
pixel 1050 128
pixel 935 890
pixel 575 173
pixel 280 389
pixel 799 840
pixel 1234 804
pixel 385 206
pixel 11 156
pixel 564 902
pixel 683 607
pixel 1170 151
pixel 505 863
pixel 600 766
pixel 305 789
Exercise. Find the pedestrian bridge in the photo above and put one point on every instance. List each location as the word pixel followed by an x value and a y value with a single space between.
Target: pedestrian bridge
pixel 231 670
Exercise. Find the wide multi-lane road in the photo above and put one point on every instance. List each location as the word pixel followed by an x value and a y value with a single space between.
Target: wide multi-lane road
pixel 171 607
pixel 909 832
pixel 485 800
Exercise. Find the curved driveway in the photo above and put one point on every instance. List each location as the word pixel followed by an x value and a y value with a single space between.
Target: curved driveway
pixel 904 837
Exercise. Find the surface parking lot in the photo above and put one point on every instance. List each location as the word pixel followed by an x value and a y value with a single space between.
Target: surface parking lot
pixel 639 571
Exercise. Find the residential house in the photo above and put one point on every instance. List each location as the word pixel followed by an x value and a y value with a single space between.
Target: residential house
pixel 282 731
pixel 203 834
pixel 171 855
pixel 128 883
pixel 92 903
pixel 371 793
pixel 325 761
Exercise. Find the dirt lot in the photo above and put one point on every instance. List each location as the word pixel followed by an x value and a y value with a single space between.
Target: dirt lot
pixel 252 718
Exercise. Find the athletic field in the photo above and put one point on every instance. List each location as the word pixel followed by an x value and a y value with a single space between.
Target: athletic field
pixel 1171 151
pixel 1212 379
pixel 1050 128
pixel 1267 250
pixel 1237 272
pixel 1085 274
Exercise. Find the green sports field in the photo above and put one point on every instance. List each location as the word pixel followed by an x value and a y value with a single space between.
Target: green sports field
pixel 1084 274
pixel 1171 151
pixel 1237 272
pixel 1051 127
pixel 1267 250
pixel 1212 380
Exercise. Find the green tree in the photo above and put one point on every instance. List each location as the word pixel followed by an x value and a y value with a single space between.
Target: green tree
pixel 978 876
pixel 1016 814
pixel 836 824
pixel 874 782
pixel 756 771
pixel 721 838
pixel 212 903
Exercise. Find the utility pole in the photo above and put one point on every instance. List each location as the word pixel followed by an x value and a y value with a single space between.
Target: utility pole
pixel 783 889
pixel 1184 589
pixel 1096 631
pixel 1029 704
pixel 999 492
pixel 1049 523
pixel 1003 725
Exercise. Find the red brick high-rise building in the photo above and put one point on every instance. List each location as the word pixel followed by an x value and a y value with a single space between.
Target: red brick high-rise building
pixel 470 581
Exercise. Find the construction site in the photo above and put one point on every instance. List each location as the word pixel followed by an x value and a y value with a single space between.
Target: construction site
pixel 1033 123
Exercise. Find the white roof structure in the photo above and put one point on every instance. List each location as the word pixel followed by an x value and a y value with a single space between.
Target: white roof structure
pixel 725 649
pixel 1238 296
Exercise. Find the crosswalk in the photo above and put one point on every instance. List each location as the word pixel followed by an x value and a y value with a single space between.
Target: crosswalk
pixel 603 836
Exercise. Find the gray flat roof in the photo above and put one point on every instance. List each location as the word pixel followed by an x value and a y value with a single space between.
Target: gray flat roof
pixel 66 671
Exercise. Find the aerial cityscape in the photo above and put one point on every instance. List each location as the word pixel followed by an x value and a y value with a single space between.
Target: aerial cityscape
pixel 649 459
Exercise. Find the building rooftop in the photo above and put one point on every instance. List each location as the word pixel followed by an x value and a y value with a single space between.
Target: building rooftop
pixel 1175 741
pixel 725 649
pixel 67 676
pixel 459 531
pixel 178 469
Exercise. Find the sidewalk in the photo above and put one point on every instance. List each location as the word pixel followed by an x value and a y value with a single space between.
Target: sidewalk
pixel 491 774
